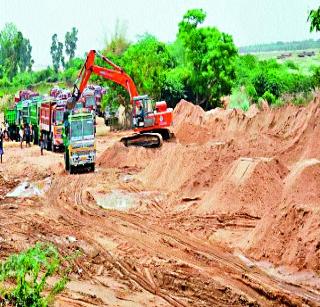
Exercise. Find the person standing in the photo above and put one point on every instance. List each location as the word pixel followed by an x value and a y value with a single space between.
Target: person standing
pixel 27 133
pixel 1 145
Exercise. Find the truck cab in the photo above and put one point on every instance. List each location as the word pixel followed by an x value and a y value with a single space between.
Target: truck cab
pixel 79 141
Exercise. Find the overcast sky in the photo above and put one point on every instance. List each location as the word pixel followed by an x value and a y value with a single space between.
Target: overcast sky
pixel 248 21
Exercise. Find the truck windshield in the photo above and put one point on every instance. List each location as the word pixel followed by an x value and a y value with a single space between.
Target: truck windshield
pixel 82 129
pixel 76 130
pixel 88 129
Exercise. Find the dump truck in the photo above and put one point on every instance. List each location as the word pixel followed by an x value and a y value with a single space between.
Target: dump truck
pixel 51 123
pixel 10 119
pixel 79 141
pixel 34 116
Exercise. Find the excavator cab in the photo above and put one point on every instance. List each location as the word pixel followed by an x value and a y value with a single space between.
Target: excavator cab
pixel 142 112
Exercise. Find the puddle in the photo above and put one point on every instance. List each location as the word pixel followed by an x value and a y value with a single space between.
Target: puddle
pixel 117 200
pixel 30 189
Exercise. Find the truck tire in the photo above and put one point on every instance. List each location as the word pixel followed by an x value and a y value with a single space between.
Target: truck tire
pixel 53 147
pixel 92 167
pixel 72 169
pixel 66 160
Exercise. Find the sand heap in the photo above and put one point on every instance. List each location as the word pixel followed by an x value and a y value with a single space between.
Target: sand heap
pixel 263 164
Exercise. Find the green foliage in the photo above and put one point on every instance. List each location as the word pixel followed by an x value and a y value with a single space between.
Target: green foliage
pixel 15 52
pixel 269 97
pixel 268 77
pixel 290 64
pixel 146 63
pixel 71 42
pixel 56 52
pixel 316 77
pixel 24 276
pixel 173 87
pixel 239 99
pixel 314 19
pixel 210 56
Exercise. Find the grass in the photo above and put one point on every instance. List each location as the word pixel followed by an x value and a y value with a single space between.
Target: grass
pixel 23 277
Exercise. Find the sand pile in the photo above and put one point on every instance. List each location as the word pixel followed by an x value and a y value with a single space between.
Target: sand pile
pixel 290 233
pixel 119 156
pixel 261 164
pixel 249 186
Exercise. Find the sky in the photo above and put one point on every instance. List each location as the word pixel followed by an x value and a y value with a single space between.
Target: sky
pixel 248 21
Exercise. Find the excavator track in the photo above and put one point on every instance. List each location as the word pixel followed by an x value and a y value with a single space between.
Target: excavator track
pixel 148 140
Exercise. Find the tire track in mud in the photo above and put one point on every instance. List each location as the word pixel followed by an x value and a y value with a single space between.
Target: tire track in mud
pixel 244 285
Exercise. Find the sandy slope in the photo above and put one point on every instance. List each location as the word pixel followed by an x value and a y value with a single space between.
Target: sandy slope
pixel 225 214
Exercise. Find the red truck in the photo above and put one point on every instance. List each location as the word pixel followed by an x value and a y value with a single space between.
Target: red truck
pixel 51 122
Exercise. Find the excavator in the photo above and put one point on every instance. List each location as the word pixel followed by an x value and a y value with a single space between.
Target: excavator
pixel 150 122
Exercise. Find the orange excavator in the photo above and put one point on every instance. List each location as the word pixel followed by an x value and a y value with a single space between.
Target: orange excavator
pixel 150 122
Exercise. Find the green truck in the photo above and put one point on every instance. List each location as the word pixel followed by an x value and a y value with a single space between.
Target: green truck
pixel 24 112
pixel 10 119
pixel 34 112
pixel 79 141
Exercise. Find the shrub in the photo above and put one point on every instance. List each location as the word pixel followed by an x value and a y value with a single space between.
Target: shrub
pixel 24 276
pixel 316 77
pixel 252 93
pixel 290 64
pixel 269 97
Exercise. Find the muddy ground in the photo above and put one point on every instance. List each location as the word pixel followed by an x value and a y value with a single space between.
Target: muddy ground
pixel 225 214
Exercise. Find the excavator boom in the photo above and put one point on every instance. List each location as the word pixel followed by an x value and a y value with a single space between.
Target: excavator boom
pixel 152 127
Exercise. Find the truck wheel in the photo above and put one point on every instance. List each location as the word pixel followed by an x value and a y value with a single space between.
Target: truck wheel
pixel 92 167
pixel 72 169
pixel 53 147
pixel 66 160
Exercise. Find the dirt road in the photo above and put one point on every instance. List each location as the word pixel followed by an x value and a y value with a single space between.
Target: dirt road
pixel 157 227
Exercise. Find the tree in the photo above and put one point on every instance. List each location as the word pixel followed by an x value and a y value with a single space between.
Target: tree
pixel 60 54
pixel 56 51
pixel 314 19
pixel 210 56
pixel 71 43
pixel 146 62
pixel 15 51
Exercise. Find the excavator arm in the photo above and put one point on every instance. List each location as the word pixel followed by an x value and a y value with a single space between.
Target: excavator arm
pixel 154 124
pixel 116 74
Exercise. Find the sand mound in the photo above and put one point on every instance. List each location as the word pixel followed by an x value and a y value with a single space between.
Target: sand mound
pixel 262 164
pixel 119 156
pixel 249 186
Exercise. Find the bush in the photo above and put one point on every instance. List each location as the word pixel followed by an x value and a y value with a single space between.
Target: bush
pixel 4 82
pixel 252 93
pixel 316 77
pixel 24 276
pixel 290 64
pixel 269 97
